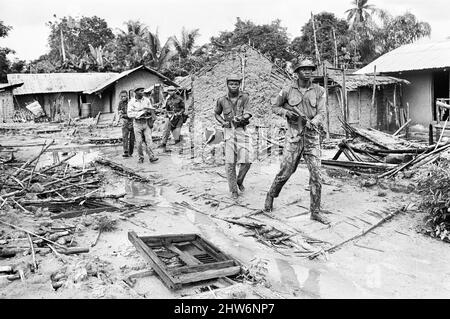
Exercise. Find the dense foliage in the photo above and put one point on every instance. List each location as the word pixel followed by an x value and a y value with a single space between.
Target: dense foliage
pixel 88 44
pixel 434 187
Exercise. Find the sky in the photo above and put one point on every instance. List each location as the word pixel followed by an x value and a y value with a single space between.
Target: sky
pixel 28 17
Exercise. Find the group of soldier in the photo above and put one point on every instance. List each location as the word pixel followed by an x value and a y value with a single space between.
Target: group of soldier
pixel 138 116
pixel 302 104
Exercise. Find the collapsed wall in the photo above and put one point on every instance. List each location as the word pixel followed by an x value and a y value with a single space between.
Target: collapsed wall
pixel 262 80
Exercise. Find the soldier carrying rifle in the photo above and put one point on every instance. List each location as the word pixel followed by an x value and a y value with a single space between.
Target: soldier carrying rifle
pixel 231 113
pixel 303 105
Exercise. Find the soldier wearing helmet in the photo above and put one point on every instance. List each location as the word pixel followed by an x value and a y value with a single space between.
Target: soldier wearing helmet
pixel 303 105
pixel 231 112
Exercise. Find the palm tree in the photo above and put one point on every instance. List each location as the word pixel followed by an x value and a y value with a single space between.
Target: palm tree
pixel 187 43
pixel 360 13
pixel 160 55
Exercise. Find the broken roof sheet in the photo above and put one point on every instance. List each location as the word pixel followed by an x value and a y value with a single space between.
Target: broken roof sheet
pixel 421 55
pixel 37 83
pixel 102 86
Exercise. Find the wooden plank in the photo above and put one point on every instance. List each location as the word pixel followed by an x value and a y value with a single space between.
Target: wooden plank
pixel 209 274
pixel 170 238
pixel 77 213
pixel 188 259
pixel 155 262
pixel 203 267
pixel 210 248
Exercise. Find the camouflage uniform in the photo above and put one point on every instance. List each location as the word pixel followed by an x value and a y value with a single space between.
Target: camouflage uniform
pixel 301 140
pixel 175 122
pixel 237 142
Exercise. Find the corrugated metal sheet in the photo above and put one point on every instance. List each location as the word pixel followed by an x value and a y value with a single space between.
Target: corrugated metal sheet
pixel 355 81
pixel 57 82
pixel 421 55
pixel 102 86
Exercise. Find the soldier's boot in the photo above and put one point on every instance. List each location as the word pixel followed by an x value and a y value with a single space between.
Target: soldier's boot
pixel 319 217
pixel 268 204
pixel 231 177
pixel 315 195
pixel 243 170
pixel 153 159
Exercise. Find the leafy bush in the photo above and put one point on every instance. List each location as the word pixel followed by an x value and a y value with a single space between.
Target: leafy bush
pixel 434 187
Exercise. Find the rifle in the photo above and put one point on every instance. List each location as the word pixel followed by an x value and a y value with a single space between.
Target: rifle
pixel 300 114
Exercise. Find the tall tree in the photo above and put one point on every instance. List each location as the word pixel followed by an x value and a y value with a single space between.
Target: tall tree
pixel 332 35
pixel 271 39
pixel 70 35
pixel 360 12
pixel 400 30
pixel 4 62
pixel 186 44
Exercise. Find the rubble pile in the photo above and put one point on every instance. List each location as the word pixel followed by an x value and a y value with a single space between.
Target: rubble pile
pixel 262 80
pixel 373 152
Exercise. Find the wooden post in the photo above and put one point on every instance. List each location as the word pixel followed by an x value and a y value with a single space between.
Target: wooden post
pixel 344 101
pixel 325 80
pixel 63 51
pixel 430 134
pixel 315 39
pixel 335 49
pixel 408 117
pixel 191 122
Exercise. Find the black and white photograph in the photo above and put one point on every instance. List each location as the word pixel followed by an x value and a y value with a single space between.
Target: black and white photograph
pixel 224 150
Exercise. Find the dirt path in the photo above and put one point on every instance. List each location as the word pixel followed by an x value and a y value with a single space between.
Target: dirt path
pixel 394 261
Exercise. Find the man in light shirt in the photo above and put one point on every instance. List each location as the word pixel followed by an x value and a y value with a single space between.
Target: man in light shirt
pixel 142 112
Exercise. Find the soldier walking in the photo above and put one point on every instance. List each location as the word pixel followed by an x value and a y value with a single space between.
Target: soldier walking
pixel 303 105
pixel 175 117
pixel 230 112
pixel 127 125
pixel 142 112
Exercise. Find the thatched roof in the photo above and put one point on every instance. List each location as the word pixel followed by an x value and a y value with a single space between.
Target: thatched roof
pixel 355 81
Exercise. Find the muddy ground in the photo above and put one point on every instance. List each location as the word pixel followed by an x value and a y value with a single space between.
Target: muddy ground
pixel 393 261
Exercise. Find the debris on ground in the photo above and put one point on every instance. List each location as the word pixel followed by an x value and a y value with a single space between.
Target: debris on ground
pixel 372 152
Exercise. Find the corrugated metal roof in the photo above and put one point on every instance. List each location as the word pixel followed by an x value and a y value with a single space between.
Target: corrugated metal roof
pixel 102 86
pixel 421 55
pixel 57 82
pixel 355 81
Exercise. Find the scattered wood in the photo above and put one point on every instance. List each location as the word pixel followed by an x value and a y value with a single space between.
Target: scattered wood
pixel 363 233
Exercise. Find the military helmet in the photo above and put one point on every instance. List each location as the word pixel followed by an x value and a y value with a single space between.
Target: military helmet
pixel 305 63
pixel 234 77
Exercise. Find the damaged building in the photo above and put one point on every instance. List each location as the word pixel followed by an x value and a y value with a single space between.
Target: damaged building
pixel 80 94
pixel 426 64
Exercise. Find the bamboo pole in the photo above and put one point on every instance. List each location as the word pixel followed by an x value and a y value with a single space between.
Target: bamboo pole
pixel 325 74
pixel 364 232
pixel 344 100
pixel 335 49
